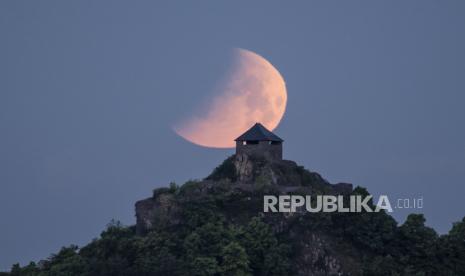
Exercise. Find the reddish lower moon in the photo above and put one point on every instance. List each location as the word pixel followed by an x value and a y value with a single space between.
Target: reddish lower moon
pixel 253 92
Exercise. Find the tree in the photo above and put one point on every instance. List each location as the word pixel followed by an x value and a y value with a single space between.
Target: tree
pixel 266 255
pixel 235 261
pixel 204 266
pixel 156 255
pixel 452 249
pixel 416 245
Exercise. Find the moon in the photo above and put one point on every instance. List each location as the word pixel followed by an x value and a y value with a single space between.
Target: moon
pixel 254 91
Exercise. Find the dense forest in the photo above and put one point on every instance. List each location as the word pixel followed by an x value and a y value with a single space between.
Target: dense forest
pixel 218 232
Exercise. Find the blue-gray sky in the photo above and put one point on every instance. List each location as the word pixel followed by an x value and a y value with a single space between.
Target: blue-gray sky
pixel 89 90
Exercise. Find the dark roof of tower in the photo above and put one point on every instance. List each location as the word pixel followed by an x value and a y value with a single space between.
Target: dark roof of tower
pixel 258 133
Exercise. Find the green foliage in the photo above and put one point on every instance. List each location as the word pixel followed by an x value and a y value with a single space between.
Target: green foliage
pixel 453 249
pixel 205 266
pixel 226 170
pixel 381 266
pixel 216 235
pixel 235 261
pixel 174 187
pixel 190 187
pixel 267 255
pixel 416 246
pixel 157 254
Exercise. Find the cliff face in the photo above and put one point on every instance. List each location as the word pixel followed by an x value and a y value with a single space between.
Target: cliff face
pixel 236 188
pixel 239 174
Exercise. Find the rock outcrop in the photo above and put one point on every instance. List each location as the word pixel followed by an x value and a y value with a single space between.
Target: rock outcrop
pixel 240 183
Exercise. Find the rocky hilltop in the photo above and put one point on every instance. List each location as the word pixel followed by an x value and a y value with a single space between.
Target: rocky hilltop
pixel 216 226
pixel 236 189
pixel 238 175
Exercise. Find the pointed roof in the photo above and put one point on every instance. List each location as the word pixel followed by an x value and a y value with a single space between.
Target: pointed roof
pixel 258 133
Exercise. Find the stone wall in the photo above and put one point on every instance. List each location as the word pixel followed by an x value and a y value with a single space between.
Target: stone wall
pixel 263 148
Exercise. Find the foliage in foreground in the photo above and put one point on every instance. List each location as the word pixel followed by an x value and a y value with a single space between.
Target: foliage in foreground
pixel 208 243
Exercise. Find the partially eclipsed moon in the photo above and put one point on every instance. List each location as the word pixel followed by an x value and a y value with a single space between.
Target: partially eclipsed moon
pixel 254 92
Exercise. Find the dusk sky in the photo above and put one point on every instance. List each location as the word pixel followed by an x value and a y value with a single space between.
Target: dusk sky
pixel 90 91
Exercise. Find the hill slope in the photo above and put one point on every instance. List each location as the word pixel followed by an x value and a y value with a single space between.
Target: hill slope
pixel 217 226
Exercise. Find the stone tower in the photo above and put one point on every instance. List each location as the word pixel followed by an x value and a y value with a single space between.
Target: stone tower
pixel 259 141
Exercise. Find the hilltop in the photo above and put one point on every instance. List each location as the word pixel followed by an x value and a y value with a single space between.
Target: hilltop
pixel 216 226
